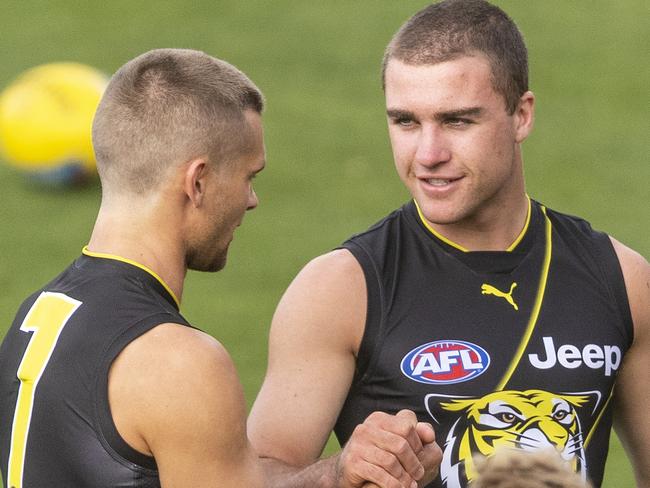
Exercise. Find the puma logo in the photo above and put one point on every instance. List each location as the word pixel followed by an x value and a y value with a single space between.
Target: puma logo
pixel 490 290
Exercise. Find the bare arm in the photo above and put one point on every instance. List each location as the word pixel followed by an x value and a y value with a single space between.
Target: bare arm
pixel 315 337
pixel 632 393
pixel 174 394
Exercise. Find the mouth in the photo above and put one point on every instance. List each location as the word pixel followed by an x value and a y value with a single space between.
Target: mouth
pixel 440 182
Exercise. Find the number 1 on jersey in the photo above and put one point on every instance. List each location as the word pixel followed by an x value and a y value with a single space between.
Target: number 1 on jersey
pixel 46 319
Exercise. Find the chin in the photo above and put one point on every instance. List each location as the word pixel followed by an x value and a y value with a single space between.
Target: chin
pixel 216 263
pixel 439 215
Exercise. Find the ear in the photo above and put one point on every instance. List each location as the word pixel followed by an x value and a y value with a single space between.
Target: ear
pixel 589 399
pixel 524 116
pixel 195 180
pixel 437 404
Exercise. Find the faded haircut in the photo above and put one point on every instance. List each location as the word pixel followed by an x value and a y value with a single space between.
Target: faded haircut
pixel 165 107
pixel 516 468
pixel 454 28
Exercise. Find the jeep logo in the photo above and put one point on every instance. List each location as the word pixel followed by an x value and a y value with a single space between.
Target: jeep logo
pixel 592 355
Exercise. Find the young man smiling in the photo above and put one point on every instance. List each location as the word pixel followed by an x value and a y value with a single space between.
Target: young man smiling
pixel 447 306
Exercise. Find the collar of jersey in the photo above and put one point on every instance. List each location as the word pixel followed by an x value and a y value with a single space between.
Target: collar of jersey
pixel 451 243
pixel 114 257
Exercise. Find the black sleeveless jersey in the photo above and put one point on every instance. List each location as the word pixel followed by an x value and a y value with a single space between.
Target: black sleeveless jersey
pixel 495 349
pixel 56 428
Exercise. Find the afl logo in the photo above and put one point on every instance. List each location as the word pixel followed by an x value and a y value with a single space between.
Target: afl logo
pixel 445 362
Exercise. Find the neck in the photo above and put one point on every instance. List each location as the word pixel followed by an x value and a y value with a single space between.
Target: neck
pixel 140 232
pixel 495 230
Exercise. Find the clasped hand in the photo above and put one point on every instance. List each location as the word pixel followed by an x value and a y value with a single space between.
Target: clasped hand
pixel 389 451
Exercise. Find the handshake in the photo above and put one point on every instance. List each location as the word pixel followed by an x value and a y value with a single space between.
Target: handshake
pixel 389 451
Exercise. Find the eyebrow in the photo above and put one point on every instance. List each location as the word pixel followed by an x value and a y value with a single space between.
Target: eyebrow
pixel 395 113
pixel 462 112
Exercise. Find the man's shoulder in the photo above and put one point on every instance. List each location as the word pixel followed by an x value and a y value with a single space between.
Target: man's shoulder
pixel 330 272
pixel 176 366
pixel 571 222
pixel 174 346
pixel 579 235
pixel 177 386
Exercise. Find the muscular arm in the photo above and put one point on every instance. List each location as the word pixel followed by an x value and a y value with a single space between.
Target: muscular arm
pixel 174 394
pixel 315 336
pixel 632 393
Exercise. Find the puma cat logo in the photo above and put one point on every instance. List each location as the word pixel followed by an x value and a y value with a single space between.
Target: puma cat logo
pixel 490 290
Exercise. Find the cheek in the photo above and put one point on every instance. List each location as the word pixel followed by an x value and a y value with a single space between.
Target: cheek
pixel 403 146
pixel 495 151
pixel 238 203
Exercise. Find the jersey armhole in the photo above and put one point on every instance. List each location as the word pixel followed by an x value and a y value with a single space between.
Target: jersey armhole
pixel 109 436
pixel 602 254
pixel 374 311
pixel 609 263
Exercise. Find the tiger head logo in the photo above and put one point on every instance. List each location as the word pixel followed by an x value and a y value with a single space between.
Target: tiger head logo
pixel 531 419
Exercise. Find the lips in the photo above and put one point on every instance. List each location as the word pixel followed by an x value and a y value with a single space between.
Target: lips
pixel 439 181
pixel 438 186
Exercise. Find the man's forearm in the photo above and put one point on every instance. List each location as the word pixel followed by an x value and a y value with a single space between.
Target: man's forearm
pixel 321 474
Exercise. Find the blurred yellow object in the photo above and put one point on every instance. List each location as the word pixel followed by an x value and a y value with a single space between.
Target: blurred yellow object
pixel 46 117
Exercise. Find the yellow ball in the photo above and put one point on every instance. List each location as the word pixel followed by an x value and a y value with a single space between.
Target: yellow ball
pixel 46 117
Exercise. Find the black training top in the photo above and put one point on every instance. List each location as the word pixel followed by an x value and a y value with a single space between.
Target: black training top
pixel 517 348
pixel 56 428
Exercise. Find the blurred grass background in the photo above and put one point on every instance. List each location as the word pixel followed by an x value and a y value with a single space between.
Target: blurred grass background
pixel 330 170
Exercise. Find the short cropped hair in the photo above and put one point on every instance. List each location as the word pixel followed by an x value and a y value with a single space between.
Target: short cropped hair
pixel 165 107
pixel 516 468
pixel 454 28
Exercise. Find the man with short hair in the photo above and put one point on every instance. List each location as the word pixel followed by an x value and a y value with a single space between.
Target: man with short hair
pixel 502 322
pixel 103 383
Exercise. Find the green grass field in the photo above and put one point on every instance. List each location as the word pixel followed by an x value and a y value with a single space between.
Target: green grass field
pixel 330 170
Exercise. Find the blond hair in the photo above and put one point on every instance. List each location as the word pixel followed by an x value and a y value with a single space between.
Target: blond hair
pixel 516 468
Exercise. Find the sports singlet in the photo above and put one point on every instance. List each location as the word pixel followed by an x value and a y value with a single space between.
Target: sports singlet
pixel 517 348
pixel 56 428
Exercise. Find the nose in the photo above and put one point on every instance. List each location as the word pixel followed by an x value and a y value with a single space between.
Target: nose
pixel 556 434
pixel 253 201
pixel 433 147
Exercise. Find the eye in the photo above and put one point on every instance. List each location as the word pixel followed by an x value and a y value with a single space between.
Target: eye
pixel 403 122
pixel 560 415
pixel 506 417
pixel 458 122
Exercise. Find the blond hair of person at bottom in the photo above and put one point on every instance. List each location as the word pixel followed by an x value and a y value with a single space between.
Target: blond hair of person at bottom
pixel 516 468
